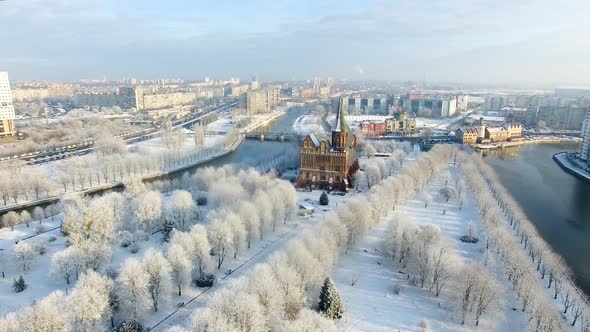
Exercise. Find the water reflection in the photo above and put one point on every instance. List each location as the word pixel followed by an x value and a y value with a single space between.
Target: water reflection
pixel 507 153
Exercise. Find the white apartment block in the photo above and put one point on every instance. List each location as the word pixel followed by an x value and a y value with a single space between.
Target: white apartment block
pixel 6 107
pixel 585 149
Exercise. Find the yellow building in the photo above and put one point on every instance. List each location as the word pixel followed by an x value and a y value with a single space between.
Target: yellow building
pixel 514 130
pixel 400 123
pixel 466 135
pixel 496 134
pixel 329 164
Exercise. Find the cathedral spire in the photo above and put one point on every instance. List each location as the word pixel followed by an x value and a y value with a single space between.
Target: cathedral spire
pixel 340 129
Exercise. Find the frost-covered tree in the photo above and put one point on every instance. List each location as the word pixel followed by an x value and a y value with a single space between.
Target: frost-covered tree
pixel 11 323
pixel 477 290
pixel 95 255
pixel 11 219
pixel 251 221
pixel 200 131
pixel 147 208
pixel 330 304
pixel 290 285
pixel 181 208
pixel 308 320
pixel 210 320
pixel 67 264
pixel 158 271
pixel 238 232
pixel 24 254
pixel 180 266
pixel 25 217
pixel 422 260
pixel 243 312
pixel 88 303
pixel 265 208
pixel 38 214
pixel 221 237
pixel 264 284
pixel 49 314
pixel 132 285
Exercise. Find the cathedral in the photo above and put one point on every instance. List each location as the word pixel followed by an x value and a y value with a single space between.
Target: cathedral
pixel 329 164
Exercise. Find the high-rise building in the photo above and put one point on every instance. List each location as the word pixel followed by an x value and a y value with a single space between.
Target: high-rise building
pixel 585 149
pixel 561 118
pixel 6 107
pixel 262 100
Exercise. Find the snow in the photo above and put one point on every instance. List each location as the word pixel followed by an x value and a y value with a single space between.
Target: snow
pixel 155 144
pixel 487 118
pixel 260 252
pixel 308 124
pixel 371 305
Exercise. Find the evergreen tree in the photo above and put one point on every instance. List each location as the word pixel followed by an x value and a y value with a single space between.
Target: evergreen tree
pixel 330 304
pixel 19 284
pixel 169 225
pixel 324 200
pixel 130 326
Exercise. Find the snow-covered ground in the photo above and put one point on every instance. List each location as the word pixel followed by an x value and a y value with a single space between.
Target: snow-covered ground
pixel 307 124
pixel 155 144
pixel 372 305
pixel 41 283
pixel 435 123
pixel 257 254
pixel 487 118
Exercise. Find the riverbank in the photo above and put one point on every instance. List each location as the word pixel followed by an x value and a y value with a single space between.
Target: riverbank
pixel 88 191
pixel 555 201
pixel 562 160
pixel 501 145
pixel 265 121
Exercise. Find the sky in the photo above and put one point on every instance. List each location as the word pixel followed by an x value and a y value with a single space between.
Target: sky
pixel 512 42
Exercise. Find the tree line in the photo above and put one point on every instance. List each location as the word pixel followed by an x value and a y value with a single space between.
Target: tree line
pixel 526 257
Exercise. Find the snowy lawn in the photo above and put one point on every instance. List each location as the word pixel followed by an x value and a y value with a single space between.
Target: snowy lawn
pixel 372 305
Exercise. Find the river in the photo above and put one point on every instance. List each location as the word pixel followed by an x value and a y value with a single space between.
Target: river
pixel 555 201
pixel 253 153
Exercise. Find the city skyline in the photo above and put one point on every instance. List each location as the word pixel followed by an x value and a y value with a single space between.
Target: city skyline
pixel 520 44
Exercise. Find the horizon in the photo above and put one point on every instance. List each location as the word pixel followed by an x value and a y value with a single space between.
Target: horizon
pixel 466 42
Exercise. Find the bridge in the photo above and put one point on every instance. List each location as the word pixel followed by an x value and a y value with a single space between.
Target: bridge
pixel 270 136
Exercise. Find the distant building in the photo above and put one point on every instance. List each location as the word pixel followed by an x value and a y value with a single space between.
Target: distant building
pixel 585 148
pixel 573 92
pixel 7 115
pixel 466 135
pixel 462 102
pixel 329 164
pixel 484 134
pixel 237 90
pixel 400 123
pixel 254 85
pixel 373 128
pixel 496 134
pixel 561 118
pixel 429 106
pixel 262 100
pixel 514 130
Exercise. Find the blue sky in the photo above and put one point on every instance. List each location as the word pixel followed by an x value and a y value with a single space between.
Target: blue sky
pixel 518 42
